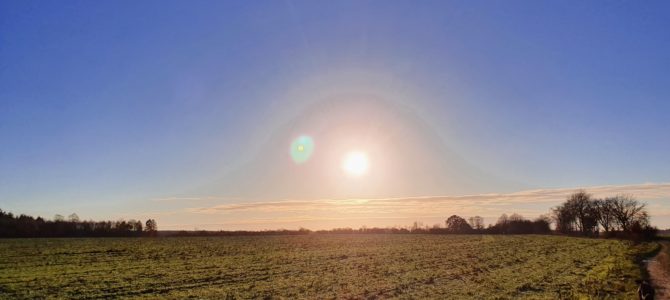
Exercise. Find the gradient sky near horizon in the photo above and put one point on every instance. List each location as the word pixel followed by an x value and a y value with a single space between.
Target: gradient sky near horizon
pixel 184 111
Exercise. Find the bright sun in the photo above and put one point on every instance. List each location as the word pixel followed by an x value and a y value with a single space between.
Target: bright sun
pixel 355 163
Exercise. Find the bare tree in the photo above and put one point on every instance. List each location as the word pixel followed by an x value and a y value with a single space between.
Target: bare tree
pixel 417 226
pixel 565 218
pixel 135 225
pixel 502 225
pixel 582 209
pixel 627 210
pixel 605 215
pixel 503 219
pixel 73 218
pixel 476 222
pixel 516 217
pixel 151 227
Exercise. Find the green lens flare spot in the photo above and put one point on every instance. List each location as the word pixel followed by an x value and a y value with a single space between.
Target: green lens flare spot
pixel 301 149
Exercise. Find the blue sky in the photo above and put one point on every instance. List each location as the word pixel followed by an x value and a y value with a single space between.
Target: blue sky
pixel 108 107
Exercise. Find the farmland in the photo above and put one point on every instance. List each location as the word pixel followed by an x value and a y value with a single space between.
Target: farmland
pixel 320 266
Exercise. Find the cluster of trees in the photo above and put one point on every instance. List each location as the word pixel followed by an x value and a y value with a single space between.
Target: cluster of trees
pixel 621 215
pixel 27 226
pixel 514 224
pixel 581 214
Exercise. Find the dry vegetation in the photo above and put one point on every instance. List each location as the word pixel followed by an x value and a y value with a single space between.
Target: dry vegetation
pixel 321 266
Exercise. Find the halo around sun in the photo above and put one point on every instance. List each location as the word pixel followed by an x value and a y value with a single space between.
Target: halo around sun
pixel 356 163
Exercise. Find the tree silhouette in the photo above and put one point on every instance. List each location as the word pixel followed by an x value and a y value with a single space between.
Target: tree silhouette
pixel 627 210
pixel 456 224
pixel 606 217
pixel 587 215
pixel 151 227
pixel 582 208
pixel 476 222
pixel 73 218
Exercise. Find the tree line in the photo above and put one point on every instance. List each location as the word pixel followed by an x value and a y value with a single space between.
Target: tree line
pixel 620 216
pixel 581 214
pixel 514 224
pixel 12 226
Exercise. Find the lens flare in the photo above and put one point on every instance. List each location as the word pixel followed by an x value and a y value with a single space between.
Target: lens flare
pixel 301 149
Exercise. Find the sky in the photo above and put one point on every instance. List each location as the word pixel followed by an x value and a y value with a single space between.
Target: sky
pixel 187 111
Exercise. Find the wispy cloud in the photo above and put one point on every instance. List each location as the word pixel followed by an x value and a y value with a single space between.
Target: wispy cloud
pixel 413 205
pixel 187 199
pixel 175 199
pixel 225 212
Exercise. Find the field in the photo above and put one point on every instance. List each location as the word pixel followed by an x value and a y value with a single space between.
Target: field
pixel 320 266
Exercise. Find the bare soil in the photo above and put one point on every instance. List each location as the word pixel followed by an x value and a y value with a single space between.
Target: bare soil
pixel 659 272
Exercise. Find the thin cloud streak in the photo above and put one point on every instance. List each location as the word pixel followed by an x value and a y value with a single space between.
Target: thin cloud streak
pixel 187 199
pixel 648 191
pixel 242 214
pixel 175 199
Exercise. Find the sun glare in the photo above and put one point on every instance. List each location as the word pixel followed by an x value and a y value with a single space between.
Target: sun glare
pixel 355 163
